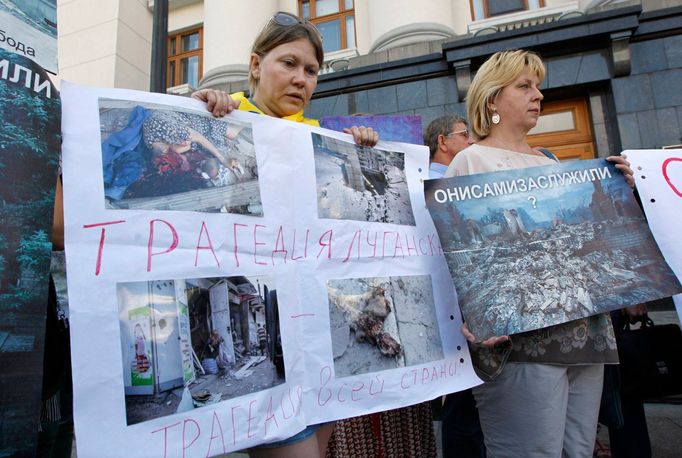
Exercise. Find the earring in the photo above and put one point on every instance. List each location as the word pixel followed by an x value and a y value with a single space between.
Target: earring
pixel 495 117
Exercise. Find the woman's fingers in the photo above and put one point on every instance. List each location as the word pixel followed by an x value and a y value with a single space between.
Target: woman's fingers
pixel 635 312
pixel 219 103
pixel 467 334
pixel 490 342
pixel 363 136
pixel 621 163
pixel 493 341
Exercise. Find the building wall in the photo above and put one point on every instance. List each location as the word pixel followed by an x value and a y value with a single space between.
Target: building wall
pixel 186 17
pixel 104 42
pixel 649 101
pixel 641 108
pixel 108 42
pixel 397 22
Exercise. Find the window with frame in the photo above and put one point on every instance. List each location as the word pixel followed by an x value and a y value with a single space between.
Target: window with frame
pixel 335 19
pixel 483 9
pixel 185 56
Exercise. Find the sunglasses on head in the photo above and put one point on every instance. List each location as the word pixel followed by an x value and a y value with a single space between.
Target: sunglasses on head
pixel 288 19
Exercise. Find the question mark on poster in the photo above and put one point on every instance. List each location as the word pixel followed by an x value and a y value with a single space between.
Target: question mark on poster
pixel 533 201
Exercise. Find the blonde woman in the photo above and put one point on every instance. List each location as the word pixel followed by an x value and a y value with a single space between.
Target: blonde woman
pixel 536 403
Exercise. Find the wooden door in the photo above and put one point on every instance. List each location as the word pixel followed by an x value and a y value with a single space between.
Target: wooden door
pixel 564 128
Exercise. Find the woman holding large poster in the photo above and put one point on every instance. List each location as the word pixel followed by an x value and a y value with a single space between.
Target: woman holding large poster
pixel 544 386
pixel 285 60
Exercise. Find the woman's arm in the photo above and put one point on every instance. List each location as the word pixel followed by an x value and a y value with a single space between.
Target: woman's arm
pixel 208 146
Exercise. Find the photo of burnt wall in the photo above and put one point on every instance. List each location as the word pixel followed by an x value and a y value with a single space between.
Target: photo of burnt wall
pixel 155 158
pixel 381 323
pixel 527 260
pixel 360 183
pixel 188 343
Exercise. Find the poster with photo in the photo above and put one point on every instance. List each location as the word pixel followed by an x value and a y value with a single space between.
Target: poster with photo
pixel 360 183
pixel 375 325
pixel 156 158
pixel 658 174
pixel 309 286
pixel 30 30
pixel 400 128
pixel 29 146
pixel 535 247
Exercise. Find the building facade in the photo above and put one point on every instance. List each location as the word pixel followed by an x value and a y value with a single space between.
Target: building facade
pixel 613 67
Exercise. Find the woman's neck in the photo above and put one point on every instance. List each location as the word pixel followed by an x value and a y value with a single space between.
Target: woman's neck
pixel 256 102
pixel 512 141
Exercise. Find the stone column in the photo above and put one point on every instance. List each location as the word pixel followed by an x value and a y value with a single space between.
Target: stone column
pixel 395 23
pixel 230 26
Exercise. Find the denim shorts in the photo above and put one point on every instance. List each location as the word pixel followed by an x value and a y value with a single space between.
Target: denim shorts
pixel 298 437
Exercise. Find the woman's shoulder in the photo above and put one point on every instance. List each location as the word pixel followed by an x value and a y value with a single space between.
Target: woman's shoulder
pixel 464 162
pixel 472 150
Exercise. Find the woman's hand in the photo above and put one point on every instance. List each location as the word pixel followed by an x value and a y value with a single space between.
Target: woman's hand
pixel 622 164
pixel 219 103
pixel 363 136
pixel 635 312
pixel 489 342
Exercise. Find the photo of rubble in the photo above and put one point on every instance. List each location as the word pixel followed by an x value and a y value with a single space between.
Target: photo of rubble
pixel 154 158
pixel 197 341
pixel 382 323
pixel 526 261
pixel 360 183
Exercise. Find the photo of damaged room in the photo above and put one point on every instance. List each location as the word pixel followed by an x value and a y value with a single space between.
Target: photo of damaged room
pixel 192 342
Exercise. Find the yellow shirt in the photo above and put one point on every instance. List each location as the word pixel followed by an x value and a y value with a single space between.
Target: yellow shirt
pixel 246 105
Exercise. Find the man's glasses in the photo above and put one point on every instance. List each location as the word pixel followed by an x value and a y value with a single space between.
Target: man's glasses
pixel 463 133
pixel 287 20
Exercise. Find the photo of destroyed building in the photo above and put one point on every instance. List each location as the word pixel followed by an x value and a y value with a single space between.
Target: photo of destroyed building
pixel 197 341
pixel 382 323
pixel 360 183
pixel 525 260
pixel 154 158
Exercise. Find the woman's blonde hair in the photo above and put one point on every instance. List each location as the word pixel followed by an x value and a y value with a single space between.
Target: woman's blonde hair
pixel 496 73
pixel 274 34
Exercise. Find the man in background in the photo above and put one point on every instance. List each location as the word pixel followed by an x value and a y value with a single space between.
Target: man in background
pixel 445 136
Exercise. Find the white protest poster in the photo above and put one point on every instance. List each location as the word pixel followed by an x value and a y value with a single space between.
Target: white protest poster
pixel 233 280
pixel 534 247
pixel 658 174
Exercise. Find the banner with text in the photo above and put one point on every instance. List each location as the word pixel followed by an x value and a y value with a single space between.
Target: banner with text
pixel 658 174
pixel 535 247
pixel 29 158
pixel 30 30
pixel 233 280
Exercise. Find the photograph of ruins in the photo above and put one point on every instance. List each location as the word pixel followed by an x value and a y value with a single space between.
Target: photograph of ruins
pixel 382 323
pixel 360 183
pixel 525 261
pixel 154 158
pixel 197 341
